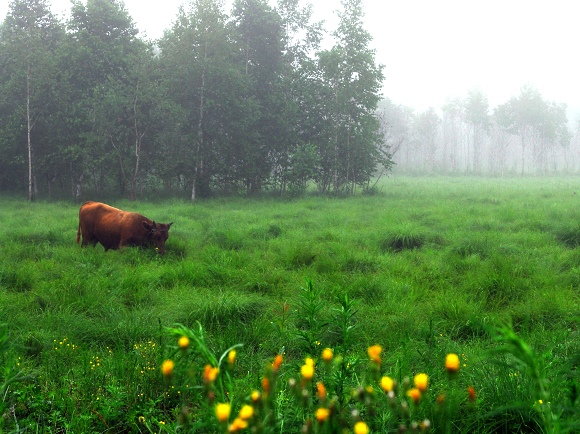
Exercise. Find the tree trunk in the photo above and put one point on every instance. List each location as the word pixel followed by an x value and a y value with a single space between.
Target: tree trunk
pixel 121 176
pixel 523 151
pixel 476 167
pixel 199 147
pixel 29 129
pixel 138 141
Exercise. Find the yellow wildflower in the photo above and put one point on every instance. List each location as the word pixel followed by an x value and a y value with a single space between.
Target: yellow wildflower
pixel 414 394
pixel 277 362
pixel 167 368
pixel 237 425
pixel 375 353
pixel 361 428
pixel 232 357
pixel 320 391
pixel 421 382
pixel 387 384
pixel 246 412
pixel 327 355
pixel 183 342
pixel 322 414
pixel 471 394
pixel 255 396
pixel 266 385
pixel 210 374
pixel 307 371
pixel 452 363
pixel 222 411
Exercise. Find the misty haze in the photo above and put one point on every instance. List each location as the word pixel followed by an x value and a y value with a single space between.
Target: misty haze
pixel 266 100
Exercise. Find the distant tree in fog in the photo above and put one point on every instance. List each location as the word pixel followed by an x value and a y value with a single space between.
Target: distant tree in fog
pixel 540 125
pixel 476 108
pixel 453 136
pixel 395 124
pixel 499 143
pixel 425 129
pixel 555 135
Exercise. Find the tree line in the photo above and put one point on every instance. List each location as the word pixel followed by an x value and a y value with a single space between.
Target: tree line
pixel 223 103
pixel 526 135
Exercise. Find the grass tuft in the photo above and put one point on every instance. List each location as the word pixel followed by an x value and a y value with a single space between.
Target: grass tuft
pixel 406 238
pixel 569 236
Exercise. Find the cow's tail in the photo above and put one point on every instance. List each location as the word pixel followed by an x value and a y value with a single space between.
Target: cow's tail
pixel 79 233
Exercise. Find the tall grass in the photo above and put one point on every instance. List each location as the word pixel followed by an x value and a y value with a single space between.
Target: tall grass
pixel 426 267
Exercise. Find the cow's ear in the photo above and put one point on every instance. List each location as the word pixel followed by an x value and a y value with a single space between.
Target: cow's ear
pixel 169 225
pixel 148 226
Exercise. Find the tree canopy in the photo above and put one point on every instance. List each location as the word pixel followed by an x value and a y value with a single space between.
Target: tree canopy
pixel 243 102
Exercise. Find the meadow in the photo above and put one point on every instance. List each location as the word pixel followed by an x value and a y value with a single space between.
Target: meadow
pixel 392 282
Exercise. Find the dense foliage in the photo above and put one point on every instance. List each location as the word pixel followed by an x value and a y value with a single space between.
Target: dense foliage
pixel 234 103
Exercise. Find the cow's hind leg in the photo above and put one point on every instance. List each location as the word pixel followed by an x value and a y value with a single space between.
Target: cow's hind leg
pixel 89 240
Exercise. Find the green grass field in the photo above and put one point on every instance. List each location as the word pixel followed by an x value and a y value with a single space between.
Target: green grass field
pixel 426 267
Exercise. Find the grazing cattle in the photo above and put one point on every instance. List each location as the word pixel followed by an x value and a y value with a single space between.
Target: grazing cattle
pixel 115 228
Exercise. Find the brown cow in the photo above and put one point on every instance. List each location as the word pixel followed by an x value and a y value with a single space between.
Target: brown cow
pixel 115 228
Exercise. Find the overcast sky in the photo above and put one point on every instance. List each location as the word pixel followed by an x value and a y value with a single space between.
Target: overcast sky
pixel 434 50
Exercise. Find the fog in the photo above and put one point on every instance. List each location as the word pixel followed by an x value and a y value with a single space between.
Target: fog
pixel 436 51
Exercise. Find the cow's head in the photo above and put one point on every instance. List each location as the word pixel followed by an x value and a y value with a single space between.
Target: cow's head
pixel 158 234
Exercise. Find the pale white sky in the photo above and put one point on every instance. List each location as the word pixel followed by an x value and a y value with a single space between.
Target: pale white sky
pixel 434 50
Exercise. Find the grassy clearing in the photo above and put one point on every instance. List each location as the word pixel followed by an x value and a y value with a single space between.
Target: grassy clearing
pixel 428 267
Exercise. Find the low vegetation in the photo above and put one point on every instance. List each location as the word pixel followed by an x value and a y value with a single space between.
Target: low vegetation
pixel 310 314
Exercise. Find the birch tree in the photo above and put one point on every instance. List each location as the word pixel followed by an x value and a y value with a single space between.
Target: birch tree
pixel 28 42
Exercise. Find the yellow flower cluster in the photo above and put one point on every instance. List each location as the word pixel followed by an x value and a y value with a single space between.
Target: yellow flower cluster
pixel 95 362
pixel 61 345
pixel 223 410
pixel 146 368
pixel 145 346
pixel 148 353
pixel 313 395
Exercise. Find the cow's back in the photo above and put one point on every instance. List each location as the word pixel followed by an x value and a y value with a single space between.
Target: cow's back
pixel 105 224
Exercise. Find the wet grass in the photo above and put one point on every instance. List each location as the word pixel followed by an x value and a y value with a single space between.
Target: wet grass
pixel 433 263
